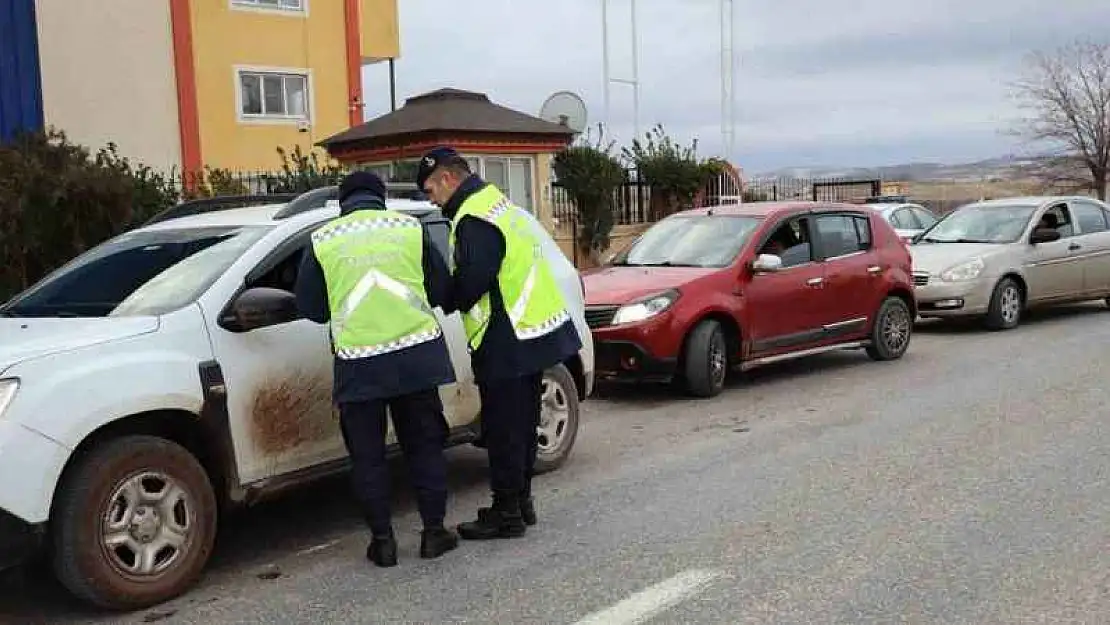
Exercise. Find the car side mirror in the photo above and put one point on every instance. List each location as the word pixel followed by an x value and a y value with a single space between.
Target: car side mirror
pixel 766 263
pixel 1044 235
pixel 259 307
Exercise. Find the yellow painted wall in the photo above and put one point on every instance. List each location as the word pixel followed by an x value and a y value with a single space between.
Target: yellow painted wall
pixel 380 28
pixel 545 211
pixel 224 38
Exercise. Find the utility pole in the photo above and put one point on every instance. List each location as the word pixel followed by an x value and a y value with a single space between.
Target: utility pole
pixel 607 70
pixel 728 84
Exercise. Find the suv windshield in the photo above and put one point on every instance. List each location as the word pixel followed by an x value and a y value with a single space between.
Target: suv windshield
pixel 137 273
pixel 978 223
pixel 690 241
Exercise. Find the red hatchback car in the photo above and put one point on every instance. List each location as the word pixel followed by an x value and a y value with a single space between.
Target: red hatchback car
pixel 710 289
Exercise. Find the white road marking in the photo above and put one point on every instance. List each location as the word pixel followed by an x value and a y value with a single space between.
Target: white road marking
pixel 305 552
pixel 653 599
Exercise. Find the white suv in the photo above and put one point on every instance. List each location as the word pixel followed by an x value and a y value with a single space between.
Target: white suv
pixel 165 375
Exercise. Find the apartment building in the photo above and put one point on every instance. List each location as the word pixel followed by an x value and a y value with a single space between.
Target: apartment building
pixel 188 83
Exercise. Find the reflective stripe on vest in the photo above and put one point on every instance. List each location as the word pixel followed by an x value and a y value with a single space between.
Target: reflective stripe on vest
pixel 371 245
pixel 533 301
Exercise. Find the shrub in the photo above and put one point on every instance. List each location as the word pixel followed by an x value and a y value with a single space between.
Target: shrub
pixel 674 172
pixel 302 172
pixel 57 199
pixel 213 182
pixel 592 175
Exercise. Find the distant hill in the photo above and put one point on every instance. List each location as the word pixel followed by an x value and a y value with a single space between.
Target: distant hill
pixel 1001 168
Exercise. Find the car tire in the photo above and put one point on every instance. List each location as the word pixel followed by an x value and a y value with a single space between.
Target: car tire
pixel 1006 306
pixel 559 412
pixel 107 487
pixel 891 331
pixel 705 360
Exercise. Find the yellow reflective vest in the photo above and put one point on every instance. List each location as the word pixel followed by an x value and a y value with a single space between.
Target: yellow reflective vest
pixel 372 264
pixel 533 301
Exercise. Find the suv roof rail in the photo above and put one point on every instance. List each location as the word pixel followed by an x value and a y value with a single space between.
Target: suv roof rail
pixel 219 203
pixel 318 198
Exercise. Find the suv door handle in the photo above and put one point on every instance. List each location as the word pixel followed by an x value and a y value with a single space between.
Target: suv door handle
pixel 1074 246
pixel 874 270
pixel 815 282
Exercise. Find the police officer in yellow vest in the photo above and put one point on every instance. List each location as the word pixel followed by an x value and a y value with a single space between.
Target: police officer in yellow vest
pixel 374 274
pixel 517 326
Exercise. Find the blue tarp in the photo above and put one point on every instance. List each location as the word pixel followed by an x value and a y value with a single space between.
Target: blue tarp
pixel 20 73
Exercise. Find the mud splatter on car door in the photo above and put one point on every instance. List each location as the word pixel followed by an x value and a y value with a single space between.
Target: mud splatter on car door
pixel 291 411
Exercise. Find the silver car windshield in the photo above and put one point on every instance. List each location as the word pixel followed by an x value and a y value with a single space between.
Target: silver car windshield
pixel 979 223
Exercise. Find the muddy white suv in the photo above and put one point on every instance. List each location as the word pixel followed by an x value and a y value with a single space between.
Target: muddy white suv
pixel 164 376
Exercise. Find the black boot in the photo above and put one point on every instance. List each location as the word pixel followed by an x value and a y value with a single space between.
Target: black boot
pixel 382 550
pixel 503 520
pixel 528 511
pixel 436 541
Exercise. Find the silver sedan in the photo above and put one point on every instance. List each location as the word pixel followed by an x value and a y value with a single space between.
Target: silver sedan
pixel 994 259
pixel 908 220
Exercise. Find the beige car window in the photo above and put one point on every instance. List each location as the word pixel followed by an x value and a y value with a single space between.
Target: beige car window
pixel 1059 218
pixel 1090 217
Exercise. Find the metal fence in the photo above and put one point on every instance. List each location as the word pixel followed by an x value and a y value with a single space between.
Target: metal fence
pixel 633 200
pixel 723 189
pixel 632 203
pixel 811 189
pixel 217 182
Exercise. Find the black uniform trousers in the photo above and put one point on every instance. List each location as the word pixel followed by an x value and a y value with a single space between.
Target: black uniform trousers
pixel 510 416
pixel 421 431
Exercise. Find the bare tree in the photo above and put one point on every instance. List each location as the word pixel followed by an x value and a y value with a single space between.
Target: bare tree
pixel 1067 95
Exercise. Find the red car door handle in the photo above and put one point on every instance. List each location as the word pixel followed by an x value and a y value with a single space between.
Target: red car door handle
pixel 815 282
pixel 874 270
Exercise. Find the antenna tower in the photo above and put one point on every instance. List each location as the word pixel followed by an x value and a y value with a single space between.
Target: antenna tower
pixel 728 83
pixel 634 80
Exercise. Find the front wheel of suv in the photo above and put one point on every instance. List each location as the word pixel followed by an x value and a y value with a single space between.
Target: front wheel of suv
pixel 891 332
pixel 559 412
pixel 134 524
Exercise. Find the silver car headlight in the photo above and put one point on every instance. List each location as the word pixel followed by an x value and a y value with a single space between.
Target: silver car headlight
pixel 645 309
pixel 8 387
pixel 964 271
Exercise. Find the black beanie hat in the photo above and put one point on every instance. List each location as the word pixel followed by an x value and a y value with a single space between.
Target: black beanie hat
pixel 361 181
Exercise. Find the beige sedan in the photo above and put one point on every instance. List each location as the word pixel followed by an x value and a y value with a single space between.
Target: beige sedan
pixel 997 258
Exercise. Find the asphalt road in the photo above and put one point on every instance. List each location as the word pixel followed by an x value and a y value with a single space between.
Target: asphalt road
pixel 967 483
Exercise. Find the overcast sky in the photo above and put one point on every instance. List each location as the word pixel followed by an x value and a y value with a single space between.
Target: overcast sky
pixel 818 82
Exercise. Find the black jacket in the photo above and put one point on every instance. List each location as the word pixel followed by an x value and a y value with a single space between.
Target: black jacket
pixel 479 252
pixel 409 370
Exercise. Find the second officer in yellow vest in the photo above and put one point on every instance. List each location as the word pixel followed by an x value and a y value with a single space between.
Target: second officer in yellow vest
pixel 517 326
pixel 374 274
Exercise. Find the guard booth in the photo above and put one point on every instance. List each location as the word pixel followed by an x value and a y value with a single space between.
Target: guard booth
pixel 508 148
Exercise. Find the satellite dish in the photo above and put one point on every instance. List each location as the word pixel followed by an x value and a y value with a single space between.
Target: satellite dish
pixel 566 109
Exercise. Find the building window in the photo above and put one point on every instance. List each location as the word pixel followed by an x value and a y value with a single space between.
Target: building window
pixel 274 5
pixel 266 95
pixel 513 175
